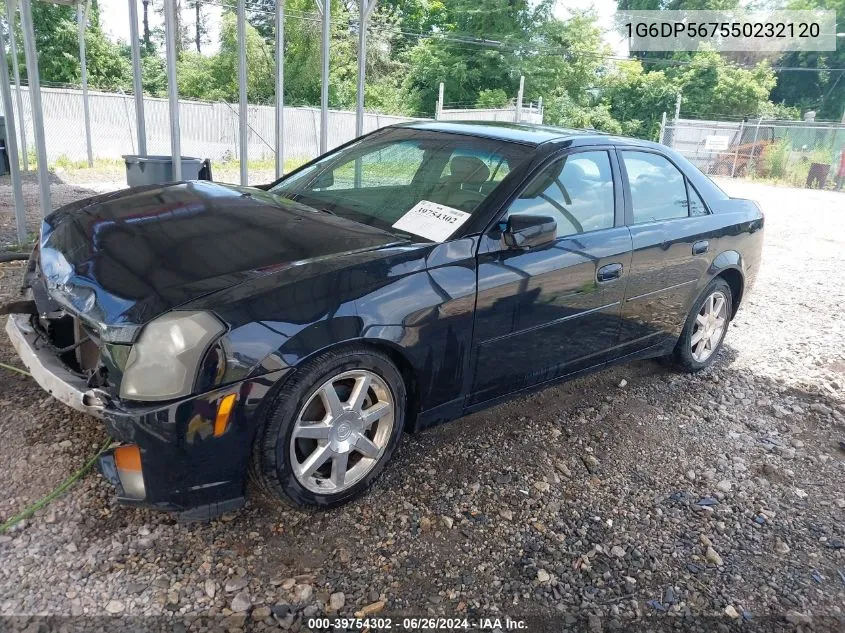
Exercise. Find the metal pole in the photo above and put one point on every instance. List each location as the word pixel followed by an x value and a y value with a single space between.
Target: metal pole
pixel 677 107
pixel 365 7
pixel 439 112
pixel 736 152
pixel 662 128
pixel 243 112
pixel 172 88
pixel 754 144
pixel 13 50
pixel 519 96
pixel 12 143
pixel 540 108
pixel 325 7
pixel 140 122
pixel 280 88
pixel 35 101
pixel 81 22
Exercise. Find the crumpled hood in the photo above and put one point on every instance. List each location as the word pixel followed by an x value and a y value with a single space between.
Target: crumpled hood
pixel 126 257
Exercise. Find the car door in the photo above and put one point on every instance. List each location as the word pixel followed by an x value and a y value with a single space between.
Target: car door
pixel 549 311
pixel 674 241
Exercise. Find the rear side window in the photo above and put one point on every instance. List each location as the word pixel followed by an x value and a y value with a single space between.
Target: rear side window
pixel 658 188
pixel 576 190
pixel 696 206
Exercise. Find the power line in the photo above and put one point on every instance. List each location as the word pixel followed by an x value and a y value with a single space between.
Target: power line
pixel 526 48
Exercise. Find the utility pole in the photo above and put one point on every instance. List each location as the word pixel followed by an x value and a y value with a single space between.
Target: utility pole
pixel 198 13
pixel 439 111
pixel 32 76
pixel 170 36
pixel 82 23
pixel 12 144
pixel 365 7
pixel 137 84
pixel 325 7
pixel 146 23
pixel 280 88
pixel 13 50
pixel 243 108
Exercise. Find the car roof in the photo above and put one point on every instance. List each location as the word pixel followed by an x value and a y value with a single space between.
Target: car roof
pixel 527 133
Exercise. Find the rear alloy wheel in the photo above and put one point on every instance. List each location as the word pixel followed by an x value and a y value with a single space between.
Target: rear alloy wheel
pixel 709 327
pixel 331 429
pixel 705 328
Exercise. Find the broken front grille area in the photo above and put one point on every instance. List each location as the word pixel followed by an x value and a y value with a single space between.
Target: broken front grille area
pixel 76 344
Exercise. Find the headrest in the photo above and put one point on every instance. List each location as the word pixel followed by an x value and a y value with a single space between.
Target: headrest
pixel 468 170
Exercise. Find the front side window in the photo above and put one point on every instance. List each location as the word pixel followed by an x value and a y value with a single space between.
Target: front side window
pixel 382 178
pixel 576 190
pixel 658 189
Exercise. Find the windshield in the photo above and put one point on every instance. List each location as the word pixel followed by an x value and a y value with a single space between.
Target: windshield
pixel 419 183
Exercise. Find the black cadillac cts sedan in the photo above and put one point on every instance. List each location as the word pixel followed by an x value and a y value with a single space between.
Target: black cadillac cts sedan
pixel 410 277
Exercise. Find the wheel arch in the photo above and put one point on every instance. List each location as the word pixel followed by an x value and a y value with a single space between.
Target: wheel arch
pixel 729 266
pixel 396 355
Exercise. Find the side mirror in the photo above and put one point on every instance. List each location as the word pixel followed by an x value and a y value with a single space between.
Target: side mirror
pixel 529 231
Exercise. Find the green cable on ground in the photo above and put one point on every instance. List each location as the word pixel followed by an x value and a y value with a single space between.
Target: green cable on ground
pixel 67 483
pixel 16 369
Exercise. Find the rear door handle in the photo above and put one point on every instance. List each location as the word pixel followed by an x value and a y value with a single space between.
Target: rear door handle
pixel 609 272
pixel 700 247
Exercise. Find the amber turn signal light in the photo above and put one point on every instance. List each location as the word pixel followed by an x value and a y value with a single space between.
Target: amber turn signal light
pixel 224 412
pixel 127 459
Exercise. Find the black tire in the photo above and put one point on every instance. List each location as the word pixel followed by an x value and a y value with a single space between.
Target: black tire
pixel 271 466
pixel 683 354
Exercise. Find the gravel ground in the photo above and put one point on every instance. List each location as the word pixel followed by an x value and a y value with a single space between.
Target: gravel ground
pixel 629 493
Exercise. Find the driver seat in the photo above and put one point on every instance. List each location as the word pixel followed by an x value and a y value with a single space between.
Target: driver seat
pixel 461 189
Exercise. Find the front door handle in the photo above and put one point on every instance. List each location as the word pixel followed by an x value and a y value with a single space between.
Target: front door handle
pixel 700 247
pixel 609 272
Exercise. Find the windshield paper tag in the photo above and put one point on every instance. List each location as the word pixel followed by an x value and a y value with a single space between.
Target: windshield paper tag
pixel 432 221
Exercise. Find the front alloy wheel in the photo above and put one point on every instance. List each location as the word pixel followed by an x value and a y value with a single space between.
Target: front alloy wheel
pixel 342 431
pixel 331 428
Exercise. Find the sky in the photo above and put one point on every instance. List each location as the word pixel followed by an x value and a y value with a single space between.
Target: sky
pixel 114 15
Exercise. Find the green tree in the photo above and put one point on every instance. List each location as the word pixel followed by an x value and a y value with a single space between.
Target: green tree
pixel 713 87
pixel 638 97
pixel 478 45
pixel 57 43
pixel 497 98
pixel 815 88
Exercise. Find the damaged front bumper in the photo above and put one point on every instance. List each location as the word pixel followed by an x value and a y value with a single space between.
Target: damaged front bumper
pixel 184 466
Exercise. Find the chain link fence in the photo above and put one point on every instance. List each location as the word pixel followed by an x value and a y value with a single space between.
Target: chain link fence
pixel 797 153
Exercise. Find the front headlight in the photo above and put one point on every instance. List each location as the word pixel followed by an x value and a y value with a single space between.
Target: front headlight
pixel 163 362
